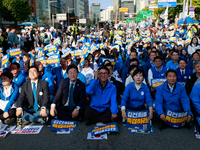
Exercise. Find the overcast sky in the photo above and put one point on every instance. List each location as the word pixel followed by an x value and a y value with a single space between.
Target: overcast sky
pixel 103 3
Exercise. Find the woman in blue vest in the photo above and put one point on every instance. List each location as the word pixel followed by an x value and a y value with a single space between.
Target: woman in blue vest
pixel 9 93
pixel 136 95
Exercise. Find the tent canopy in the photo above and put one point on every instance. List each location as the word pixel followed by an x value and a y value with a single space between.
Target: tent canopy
pixel 187 20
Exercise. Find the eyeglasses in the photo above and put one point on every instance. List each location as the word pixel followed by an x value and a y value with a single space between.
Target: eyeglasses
pixel 103 73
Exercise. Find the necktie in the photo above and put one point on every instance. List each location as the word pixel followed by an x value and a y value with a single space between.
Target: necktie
pixel 71 101
pixel 35 106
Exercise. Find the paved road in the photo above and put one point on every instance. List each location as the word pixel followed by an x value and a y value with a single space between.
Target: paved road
pixel 176 139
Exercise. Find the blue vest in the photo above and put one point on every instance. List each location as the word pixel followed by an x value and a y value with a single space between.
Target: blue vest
pixel 157 74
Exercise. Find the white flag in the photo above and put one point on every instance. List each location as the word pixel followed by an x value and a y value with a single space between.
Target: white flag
pixel 166 16
pixel 186 10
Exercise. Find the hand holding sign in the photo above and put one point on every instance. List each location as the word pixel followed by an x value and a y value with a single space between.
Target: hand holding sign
pixel 124 114
pixel 162 117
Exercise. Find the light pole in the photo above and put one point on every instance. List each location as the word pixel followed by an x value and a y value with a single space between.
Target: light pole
pixel 68 14
pixel 50 11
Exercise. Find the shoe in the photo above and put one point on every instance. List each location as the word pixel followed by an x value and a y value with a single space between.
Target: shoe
pixel 162 126
pixel 9 121
pixel 100 124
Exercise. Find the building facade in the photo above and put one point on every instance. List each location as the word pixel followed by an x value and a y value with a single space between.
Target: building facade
pixel 95 12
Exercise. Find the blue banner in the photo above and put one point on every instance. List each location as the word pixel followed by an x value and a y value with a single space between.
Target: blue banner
pixel 110 127
pixel 176 119
pixel 138 120
pixel 60 125
pixel 157 82
pixel 54 60
pixel 15 52
pixel 165 3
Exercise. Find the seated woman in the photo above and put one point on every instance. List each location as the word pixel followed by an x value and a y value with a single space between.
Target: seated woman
pixel 136 95
pixel 9 93
pixel 87 71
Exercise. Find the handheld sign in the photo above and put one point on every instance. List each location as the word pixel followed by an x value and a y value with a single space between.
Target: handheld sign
pixel 157 82
pixel 54 60
pixel 110 127
pixel 5 61
pixel 15 52
pixel 176 119
pixel 138 120
pixel 60 125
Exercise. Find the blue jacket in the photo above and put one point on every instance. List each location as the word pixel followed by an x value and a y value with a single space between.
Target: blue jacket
pixel 157 74
pixel 103 99
pixel 182 79
pixel 14 60
pixel 190 65
pixel 125 74
pixel 195 97
pixel 170 65
pixel 48 77
pixel 12 98
pixel 176 101
pixel 136 99
pixel 127 64
pixel 119 65
pixel 146 68
pixel 58 73
pixel 19 79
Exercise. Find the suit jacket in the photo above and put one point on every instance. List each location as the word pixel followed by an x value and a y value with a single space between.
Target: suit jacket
pixel 27 93
pixel 79 95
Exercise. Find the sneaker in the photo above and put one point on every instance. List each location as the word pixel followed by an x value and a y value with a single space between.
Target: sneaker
pixel 9 120
pixel 100 124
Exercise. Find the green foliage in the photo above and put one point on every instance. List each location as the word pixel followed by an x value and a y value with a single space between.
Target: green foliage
pixel 15 10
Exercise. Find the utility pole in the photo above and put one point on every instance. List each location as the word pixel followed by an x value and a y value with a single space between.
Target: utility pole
pixel 190 3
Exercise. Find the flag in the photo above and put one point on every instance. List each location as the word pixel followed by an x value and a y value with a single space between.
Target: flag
pixel 5 61
pixel 185 14
pixel 57 41
pixel 176 23
pixel 166 16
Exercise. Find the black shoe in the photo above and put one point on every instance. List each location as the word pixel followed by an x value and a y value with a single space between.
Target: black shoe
pixel 162 125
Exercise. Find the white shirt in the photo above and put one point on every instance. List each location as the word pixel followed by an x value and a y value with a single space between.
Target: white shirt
pixel 67 103
pixel 7 92
pixel 63 72
pixel 89 74
pixel 36 82
pixel 192 49
pixel 129 79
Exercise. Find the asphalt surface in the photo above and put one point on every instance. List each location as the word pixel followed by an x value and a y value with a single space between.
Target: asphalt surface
pixel 168 138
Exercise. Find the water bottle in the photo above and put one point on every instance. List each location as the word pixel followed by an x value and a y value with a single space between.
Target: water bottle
pixel 19 122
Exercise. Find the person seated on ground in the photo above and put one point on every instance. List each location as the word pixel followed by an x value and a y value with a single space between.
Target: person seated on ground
pixel 156 72
pixel 25 71
pixel 70 61
pixel 183 72
pixel 87 71
pixel 119 63
pixel 26 59
pixel 173 64
pixel 195 57
pixel 168 55
pixel 46 76
pixel 18 77
pixel 8 96
pixel 162 52
pixel 129 79
pixel 60 73
pixel 149 64
pixel 17 59
pixel 195 100
pixel 194 78
pixel 125 72
pixel 116 81
pixel 103 106
pixel 171 95
pixel 70 97
pixel 132 101
pixel 35 93
pixel 133 54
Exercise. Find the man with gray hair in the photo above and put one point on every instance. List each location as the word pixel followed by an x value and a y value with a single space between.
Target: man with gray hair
pixel 193 79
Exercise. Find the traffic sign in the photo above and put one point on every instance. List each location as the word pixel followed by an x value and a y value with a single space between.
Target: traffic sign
pixel 129 20
pixel 191 14
pixel 191 9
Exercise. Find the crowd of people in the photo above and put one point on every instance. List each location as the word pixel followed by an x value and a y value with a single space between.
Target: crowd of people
pixel 151 68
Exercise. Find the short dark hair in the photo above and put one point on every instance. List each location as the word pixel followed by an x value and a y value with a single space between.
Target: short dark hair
pixel 134 59
pixel 152 52
pixel 134 52
pixel 7 74
pixel 33 67
pixel 32 48
pixel 170 70
pixel 104 67
pixel 72 66
pixel 105 61
pixel 131 67
pixel 17 64
pixel 27 55
pixel 157 57
pixel 175 52
pixel 109 64
pixel 183 60
pixel 138 71
pixel 195 53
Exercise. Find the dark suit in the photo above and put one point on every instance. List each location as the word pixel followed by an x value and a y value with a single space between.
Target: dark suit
pixel 27 93
pixel 61 97
pixel 42 90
